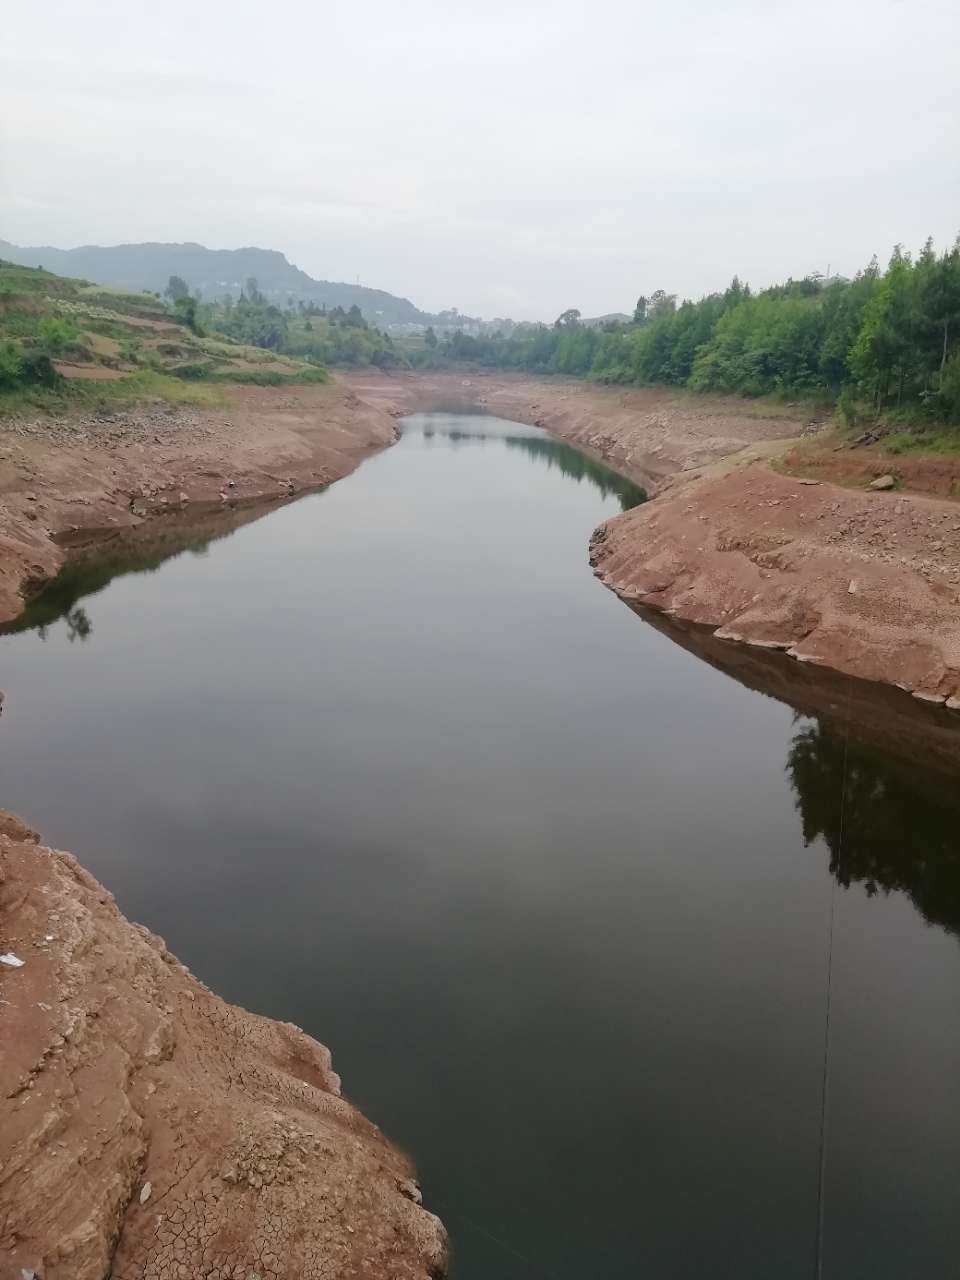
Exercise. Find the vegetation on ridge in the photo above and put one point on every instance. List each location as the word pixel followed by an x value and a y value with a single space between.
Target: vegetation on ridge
pixel 885 343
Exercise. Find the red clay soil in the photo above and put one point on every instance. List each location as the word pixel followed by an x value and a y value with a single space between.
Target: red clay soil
pixel 934 474
pixel 150 1131
pixel 866 583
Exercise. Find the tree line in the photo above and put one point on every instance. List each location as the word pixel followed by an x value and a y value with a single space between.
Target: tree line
pixel 304 330
pixel 887 342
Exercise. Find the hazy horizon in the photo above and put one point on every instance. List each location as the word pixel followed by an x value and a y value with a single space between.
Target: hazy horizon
pixel 507 162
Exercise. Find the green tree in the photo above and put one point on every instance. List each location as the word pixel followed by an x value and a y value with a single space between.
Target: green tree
pixel 11 362
pixel 185 310
pixel 176 288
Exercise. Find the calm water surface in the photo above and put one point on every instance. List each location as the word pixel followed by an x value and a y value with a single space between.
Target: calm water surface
pixel 391 764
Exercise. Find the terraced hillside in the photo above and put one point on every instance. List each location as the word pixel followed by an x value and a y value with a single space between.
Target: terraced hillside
pixel 64 340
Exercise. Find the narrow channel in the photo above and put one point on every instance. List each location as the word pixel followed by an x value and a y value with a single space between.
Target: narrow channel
pixel 390 764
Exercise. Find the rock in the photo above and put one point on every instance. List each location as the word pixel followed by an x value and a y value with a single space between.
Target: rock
pixel 884 482
pixel 145 1192
pixel 854 587
pixel 11 961
pixel 407 1187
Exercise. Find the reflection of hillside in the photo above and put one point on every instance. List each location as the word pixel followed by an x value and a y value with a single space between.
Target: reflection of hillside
pixel 96 557
pixel 900 823
pixel 579 467
pixel 885 826
pixel 555 453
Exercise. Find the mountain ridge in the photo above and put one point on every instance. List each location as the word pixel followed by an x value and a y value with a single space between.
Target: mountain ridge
pixel 148 265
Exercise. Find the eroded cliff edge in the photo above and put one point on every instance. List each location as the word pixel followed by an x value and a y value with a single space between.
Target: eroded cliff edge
pixel 149 1129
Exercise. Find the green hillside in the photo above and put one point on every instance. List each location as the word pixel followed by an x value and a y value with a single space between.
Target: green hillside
pixel 65 341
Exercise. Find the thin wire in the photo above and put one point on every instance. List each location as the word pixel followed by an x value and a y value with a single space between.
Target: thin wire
pixel 825 1081
pixel 503 1245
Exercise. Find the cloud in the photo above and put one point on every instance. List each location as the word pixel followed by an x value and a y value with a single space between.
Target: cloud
pixel 522 158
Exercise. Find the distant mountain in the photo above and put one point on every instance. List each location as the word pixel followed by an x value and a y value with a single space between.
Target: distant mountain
pixel 612 317
pixel 214 272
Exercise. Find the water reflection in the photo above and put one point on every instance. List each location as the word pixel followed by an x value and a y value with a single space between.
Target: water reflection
pixel 554 453
pixel 93 565
pixel 474 820
pixel 887 825
pixel 578 466
pixel 91 568
pixel 895 824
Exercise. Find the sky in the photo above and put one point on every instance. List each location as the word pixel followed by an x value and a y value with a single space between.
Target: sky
pixel 510 158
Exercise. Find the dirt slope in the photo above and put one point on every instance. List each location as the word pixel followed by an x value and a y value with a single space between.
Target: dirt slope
pixel 149 1130
pixel 866 583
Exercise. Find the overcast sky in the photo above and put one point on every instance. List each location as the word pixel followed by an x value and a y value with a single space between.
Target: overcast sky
pixel 508 157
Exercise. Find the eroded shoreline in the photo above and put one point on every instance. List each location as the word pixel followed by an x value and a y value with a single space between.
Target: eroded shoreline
pixel 865 583
pixel 862 582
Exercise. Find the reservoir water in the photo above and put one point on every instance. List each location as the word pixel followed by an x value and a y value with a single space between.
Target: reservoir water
pixel 391 764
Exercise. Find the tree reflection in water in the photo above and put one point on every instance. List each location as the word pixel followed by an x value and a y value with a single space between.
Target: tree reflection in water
pixel 555 453
pixel 897 828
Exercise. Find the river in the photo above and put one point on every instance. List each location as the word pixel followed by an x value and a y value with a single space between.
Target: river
pixel 391 764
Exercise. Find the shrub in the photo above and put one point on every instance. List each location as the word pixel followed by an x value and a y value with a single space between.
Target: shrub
pixel 58 335
pixel 11 362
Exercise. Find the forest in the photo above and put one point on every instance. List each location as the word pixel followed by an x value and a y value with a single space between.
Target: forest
pixel 885 343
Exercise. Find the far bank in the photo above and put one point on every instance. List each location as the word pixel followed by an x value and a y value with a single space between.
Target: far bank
pixel 745 533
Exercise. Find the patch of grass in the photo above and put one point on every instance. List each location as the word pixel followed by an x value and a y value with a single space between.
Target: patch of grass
pixel 146 386
pixel 271 377
pixel 939 440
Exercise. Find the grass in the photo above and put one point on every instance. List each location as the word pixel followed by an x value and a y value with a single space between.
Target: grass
pixel 939 440
pixel 146 386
